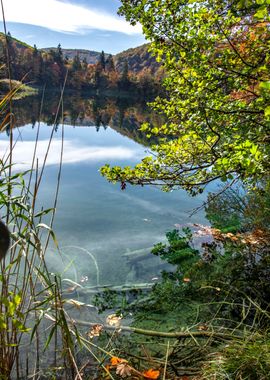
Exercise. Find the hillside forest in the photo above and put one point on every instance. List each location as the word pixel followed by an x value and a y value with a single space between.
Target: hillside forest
pixel 134 69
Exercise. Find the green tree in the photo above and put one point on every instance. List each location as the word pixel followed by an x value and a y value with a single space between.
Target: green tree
pixel 35 50
pixel 59 51
pixel 84 63
pixel 9 37
pixel 102 60
pixel 76 63
pixel 216 57
pixel 97 75
pixel 37 63
pixel 109 64
pixel 124 77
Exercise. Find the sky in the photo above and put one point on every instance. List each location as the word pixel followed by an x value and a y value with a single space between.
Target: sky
pixel 77 24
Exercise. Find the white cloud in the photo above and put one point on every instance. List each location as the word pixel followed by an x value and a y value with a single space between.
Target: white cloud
pixel 73 153
pixel 64 17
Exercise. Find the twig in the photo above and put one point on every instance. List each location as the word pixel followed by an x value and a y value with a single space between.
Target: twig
pixel 166 361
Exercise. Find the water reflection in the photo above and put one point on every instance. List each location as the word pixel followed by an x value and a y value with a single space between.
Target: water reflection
pixel 119 113
pixel 74 153
pixel 103 232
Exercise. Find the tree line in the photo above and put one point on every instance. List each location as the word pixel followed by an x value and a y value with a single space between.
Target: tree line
pixel 50 68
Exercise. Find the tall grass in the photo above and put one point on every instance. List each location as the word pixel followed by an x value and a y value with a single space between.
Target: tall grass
pixel 27 290
pixel 25 281
pixel 33 316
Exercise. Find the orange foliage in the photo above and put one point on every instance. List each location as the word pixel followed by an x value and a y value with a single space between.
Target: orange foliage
pixel 115 361
pixel 124 369
pixel 254 240
pixel 151 374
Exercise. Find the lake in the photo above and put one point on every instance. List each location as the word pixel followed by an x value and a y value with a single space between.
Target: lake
pixel 105 234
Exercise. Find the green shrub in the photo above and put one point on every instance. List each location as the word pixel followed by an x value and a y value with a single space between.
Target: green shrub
pixel 244 360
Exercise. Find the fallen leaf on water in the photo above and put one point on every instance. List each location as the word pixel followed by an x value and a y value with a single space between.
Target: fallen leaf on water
pixel 95 331
pixel 115 360
pixel 123 369
pixel 151 374
pixel 75 303
pixel 113 320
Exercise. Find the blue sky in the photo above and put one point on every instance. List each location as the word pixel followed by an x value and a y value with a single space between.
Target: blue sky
pixel 81 24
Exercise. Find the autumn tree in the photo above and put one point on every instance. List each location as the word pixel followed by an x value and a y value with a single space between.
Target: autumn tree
pixel 216 57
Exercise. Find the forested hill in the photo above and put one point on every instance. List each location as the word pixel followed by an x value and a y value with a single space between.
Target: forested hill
pixel 139 59
pixel 89 56
pixel 133 69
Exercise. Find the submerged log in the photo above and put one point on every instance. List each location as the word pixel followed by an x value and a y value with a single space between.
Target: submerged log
pixel 118 289
pixel 138 255
pixel 162 334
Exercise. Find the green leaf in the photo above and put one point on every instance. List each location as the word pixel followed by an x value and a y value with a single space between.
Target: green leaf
pixel 267 111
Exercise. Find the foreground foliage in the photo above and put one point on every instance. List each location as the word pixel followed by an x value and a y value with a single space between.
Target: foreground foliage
pixel 249 359
pixel 208 318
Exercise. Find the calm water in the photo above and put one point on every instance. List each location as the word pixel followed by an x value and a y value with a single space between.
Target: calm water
pixel 97 224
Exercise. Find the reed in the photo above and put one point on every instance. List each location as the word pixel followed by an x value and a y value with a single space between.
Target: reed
pixel 27 289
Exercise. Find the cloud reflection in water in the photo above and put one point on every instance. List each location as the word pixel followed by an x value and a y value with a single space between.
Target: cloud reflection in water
pixel 73 153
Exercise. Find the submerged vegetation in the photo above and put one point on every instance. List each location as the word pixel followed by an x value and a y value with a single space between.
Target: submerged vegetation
pixel 208 316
